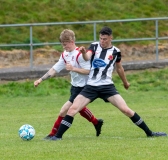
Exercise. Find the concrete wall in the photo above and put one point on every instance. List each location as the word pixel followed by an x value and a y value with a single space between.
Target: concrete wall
pixel 18 73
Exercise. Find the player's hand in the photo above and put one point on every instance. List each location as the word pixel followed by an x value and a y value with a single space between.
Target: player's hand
pixel 69 67
pixel 82 50
pixel 37 82
pixel 126 85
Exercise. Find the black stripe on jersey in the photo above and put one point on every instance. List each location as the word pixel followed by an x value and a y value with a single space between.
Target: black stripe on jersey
pixel 102 56
pixel 104 75
pixel 94 50
pixel 97 69
pixel 103 53
pixel 104 72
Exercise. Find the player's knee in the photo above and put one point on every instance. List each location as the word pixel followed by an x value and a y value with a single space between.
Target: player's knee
pixel 128 112
pixel 72 111
pixel 63 112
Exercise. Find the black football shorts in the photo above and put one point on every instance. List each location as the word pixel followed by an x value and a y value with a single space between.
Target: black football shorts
pixel 103 92
pixel 74 92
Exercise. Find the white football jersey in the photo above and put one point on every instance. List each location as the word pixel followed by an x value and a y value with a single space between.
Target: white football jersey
pixel 75 59
pixel 102 64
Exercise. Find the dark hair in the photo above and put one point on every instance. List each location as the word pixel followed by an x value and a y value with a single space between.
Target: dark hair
pixel 106 31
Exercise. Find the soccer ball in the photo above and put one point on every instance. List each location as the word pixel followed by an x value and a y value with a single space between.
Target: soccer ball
pixel 26 132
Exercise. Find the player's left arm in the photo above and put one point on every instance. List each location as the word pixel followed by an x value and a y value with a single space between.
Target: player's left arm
pixel 69 67
pixel 84 66
pixel 121 73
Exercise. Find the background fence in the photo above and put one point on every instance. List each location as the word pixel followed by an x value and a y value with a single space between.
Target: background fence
pixel 156 38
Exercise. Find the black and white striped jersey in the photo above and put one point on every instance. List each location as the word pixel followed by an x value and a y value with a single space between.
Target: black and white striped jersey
pixel 102 64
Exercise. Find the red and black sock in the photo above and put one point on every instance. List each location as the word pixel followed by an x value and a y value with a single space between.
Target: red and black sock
pixel 65 125
pixel 56 126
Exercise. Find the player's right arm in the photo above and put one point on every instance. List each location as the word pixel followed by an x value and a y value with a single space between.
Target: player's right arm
pixel 49 74
pixel 52 72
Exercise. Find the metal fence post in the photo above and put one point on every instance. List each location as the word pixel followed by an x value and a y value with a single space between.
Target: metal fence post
pixel 31 47
pixel 156 34
pixel 94 31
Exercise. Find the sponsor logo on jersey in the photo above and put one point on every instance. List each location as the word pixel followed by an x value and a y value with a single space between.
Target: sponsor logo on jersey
pixel 97 63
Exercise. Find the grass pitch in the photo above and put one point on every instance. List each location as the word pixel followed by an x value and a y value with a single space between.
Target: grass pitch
pixel 120 138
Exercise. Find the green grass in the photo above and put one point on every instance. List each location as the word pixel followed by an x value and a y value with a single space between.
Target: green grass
pixel 120 138
pixel 13 89
pixel 24 11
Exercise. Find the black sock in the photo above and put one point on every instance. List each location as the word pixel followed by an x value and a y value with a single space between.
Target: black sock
pixel 140 123
pixel 65 124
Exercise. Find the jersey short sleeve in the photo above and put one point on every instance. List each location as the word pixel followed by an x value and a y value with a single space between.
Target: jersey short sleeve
pixel 83 64
pixel 118 57
pixel 93 47
pixel 60 65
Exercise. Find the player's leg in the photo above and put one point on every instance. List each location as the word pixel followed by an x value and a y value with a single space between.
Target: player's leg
pixel 120 103
pixel 79 103
pixel 85 112
pixel 57 123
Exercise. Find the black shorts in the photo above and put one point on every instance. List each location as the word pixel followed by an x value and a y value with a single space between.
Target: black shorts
pixel 74 92
pixel 103 92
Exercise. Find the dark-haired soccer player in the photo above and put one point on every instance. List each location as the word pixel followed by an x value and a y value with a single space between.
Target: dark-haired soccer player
pixel 72 60
pixel 104 56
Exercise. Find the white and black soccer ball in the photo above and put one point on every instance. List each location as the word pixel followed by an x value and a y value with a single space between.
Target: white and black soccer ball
pixel 26 132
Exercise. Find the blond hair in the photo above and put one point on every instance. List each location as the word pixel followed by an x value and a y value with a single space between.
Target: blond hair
pixel 67 35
